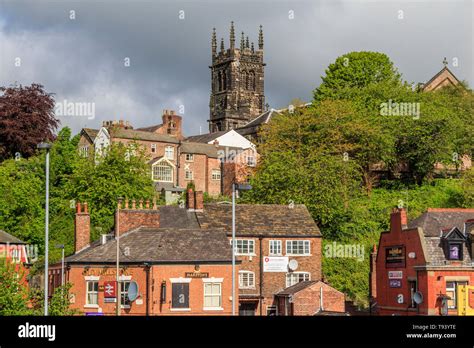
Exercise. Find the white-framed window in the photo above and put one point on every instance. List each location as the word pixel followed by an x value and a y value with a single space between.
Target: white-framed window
pixel 92 292
pixel 212 295
pixel 188 174
pixel 84 152
pixel 271 310
pixel 189 157
pixel 124 301
pixel 244 246
pixel 169 152
pixel 246 280
pixel 251 161
pixel 296 277
pixel 216 174
pixel 451 291
pixel 153 148
pixel 297 247
pixel 162 171
pixel 275 247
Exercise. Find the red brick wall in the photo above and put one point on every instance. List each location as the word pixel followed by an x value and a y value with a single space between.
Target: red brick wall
pixel 158 273
pixel 275 281
pixel 308 300
pixel 130 219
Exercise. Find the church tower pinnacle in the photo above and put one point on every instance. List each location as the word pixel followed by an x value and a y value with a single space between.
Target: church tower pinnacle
pixel 237 82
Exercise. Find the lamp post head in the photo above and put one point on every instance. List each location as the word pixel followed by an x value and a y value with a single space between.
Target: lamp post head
pixel 60 246
pixel 44 146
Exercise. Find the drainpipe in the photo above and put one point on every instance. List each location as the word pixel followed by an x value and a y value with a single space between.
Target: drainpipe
pixel 178 161
pixel 147 270
pixel 261 276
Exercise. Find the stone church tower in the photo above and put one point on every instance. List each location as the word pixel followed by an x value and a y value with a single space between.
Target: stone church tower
pixel 237 79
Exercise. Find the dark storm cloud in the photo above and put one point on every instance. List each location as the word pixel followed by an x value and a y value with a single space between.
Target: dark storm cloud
pixel 82 60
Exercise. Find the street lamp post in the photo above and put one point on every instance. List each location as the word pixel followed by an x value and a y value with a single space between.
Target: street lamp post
pixel 47 147
pixel 235 187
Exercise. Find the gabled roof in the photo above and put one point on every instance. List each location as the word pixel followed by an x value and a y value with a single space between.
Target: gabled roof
pixel 434 220
pixel 141 135
pixel 449 78
pixel 90 133
pixel 259 120
pixel 150 128
pixel 161 245
pixel 260 220
pixel 205 138
pixel 8 238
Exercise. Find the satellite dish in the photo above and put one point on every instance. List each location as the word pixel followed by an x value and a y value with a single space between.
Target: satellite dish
pixel 418 297
pixel 293 265
pixel 132 292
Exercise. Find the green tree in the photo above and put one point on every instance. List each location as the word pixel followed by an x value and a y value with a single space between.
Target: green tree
pixel 13 293
pixel 122 172
pixel 468 188
pixel 356 70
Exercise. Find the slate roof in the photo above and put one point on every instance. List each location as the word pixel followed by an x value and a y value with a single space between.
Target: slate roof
pixel 8 238
pixel 291 290
pixel 433 221
pixel 260 219
pixel 199 148
pixel 205 138
pixel 141 135
pixel 436 256
pixel 90 133
pixel 185 236
pixel 435 224
pixel 160 245
pixel 150 128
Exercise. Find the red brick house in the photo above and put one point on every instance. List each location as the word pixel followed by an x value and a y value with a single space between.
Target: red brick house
pixel 179 268
pixel 163 248
pixel 430 256
pixel 176 161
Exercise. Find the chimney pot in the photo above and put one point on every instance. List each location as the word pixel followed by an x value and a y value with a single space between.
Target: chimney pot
pixel 85 208
pixel 78 207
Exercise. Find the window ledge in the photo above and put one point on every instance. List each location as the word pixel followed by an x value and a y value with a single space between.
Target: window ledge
pixel 180 309
pixel 91 306
pixel 299 255
pixel 213 309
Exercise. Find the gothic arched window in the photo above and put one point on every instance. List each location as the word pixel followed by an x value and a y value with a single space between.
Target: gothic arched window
pixel 219 81
pixel 251 82
pixel 224 80
pixel 244 79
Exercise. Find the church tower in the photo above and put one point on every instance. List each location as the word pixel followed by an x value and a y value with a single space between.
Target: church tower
pixel 237 81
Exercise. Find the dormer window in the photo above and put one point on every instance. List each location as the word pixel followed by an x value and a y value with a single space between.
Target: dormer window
pixel 455 251
pixel 453 241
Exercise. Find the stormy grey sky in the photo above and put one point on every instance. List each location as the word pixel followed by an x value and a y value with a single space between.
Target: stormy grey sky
pixel 82 60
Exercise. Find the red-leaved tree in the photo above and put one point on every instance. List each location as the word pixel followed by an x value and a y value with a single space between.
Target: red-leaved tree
pixel 26 119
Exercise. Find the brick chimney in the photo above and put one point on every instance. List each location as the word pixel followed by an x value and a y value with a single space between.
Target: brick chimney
pixel 172 124
pixel 82 231
pixel 398 219
pixel 199 200
pixel 129 218
pixel 190 200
